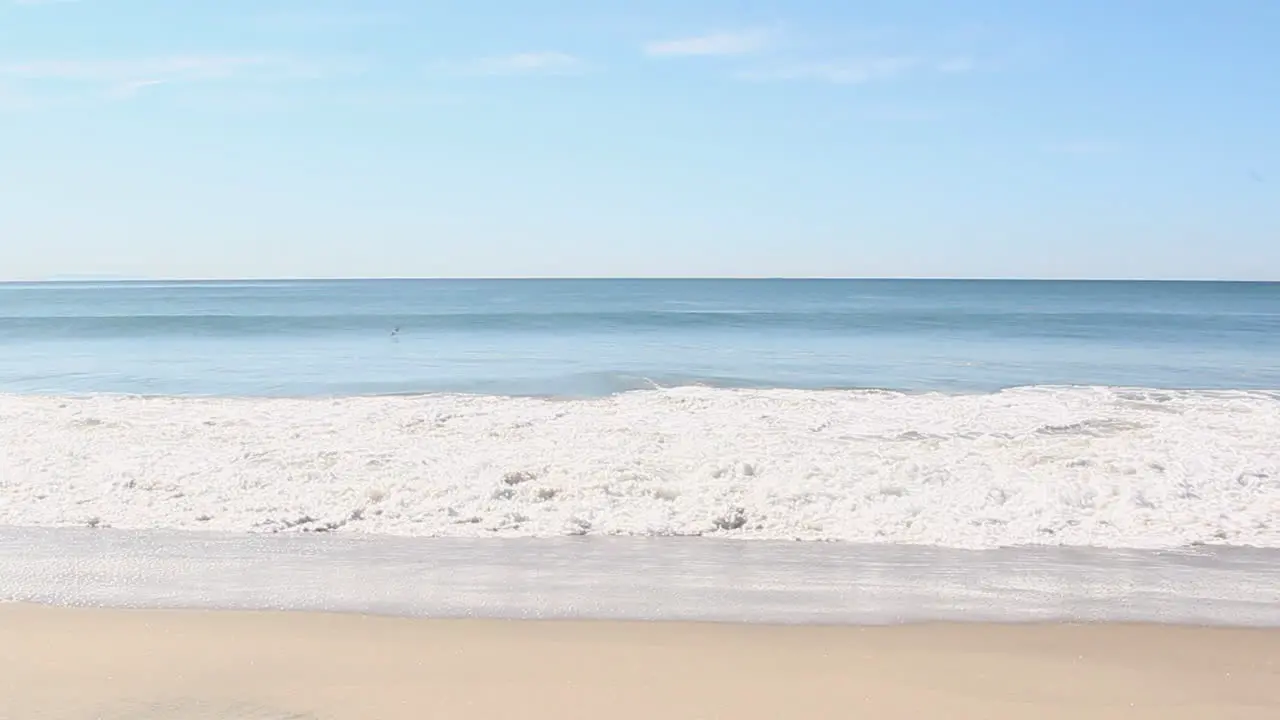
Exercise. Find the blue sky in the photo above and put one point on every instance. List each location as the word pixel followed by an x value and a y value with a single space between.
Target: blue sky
pixel 981 138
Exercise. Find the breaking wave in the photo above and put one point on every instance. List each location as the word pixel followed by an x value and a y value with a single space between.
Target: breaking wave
pixel 1074 466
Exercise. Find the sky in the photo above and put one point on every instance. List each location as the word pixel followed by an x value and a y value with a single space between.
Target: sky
pixel 512 138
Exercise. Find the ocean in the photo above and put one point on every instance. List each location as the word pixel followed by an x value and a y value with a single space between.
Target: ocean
pixel 578 338
pixel 775 450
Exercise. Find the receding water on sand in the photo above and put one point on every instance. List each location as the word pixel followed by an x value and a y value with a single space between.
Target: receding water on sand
pixel 637 578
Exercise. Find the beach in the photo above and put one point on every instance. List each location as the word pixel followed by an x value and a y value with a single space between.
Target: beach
pixel 77 664
pixel 716 360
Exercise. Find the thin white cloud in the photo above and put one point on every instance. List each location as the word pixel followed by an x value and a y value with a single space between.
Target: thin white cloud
pixel 843 72
pixel 133 87
pixel 899 115
pixel 526 63
pixel 11 99
pixel 41 82
pixel 174 68
pixel 957 65
pixel 741 42
pixel 1084 147
pixel 321 20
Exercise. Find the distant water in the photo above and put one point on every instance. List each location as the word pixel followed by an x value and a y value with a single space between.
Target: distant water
pixel 597 337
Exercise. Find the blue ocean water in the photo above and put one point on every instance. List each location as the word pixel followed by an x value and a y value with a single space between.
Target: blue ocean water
pixel 594 337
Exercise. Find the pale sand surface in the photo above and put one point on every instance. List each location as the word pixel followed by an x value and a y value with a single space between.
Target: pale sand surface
pixel 77 664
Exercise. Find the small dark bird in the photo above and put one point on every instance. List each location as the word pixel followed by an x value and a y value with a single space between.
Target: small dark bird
pixel 395 331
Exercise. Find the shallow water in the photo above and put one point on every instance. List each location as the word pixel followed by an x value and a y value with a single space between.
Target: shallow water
pixel 637 578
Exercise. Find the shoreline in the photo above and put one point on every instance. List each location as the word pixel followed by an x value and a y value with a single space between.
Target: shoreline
pixel 686 579
pixel 202 665
pixel 24 607
pixel 644 385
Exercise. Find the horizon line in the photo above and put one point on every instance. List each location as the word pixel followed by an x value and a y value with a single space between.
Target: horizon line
pixel 597 278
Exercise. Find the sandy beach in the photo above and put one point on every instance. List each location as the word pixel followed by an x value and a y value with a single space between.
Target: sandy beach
pixel 78 664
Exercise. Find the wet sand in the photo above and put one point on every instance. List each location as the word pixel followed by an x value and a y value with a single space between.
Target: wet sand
pixel 78 664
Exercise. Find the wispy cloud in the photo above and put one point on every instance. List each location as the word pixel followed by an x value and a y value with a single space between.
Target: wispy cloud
pixel 957 65
pixel 323 20
pixel 133 87
pixel 843 72
pixel 1084 147
pixel 526 63
pixel 11 99
pixel 740 42
pixel 861 71
pixel 189 67
pixel 891 114
pixel 126 78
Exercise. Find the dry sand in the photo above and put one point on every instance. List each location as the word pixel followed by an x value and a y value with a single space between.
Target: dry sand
pixel 70 664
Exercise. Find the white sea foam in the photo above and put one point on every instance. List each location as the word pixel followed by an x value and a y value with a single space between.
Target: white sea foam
pixel 1058 466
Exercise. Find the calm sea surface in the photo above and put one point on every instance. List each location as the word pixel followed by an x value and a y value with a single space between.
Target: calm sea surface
pixel 595 337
